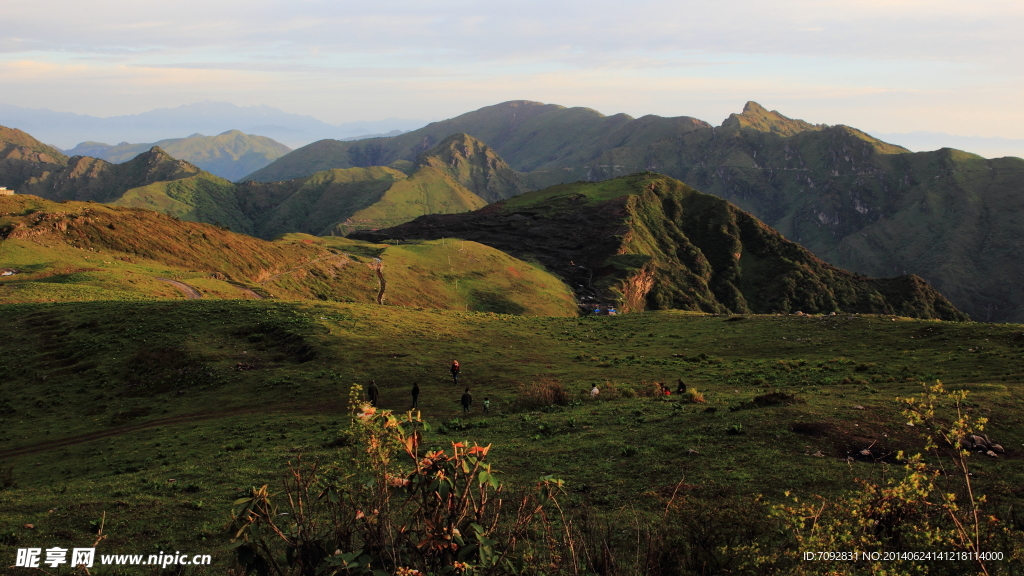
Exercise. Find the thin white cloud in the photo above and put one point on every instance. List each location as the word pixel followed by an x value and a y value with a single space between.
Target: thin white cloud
pixel 899 60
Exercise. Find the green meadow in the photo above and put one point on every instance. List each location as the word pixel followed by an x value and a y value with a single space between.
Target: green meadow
pixel 152 417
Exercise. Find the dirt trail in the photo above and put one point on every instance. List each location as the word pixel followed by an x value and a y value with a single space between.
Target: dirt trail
pixel 189 292
pixel 248 291
pixel 170 420
pixel 383 282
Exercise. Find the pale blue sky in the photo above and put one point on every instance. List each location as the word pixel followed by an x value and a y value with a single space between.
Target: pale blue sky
pixel 889 66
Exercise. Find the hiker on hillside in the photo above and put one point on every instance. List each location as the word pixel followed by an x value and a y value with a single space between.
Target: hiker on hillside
pixel 455 372
pixel 681 389
pixel 487 405
pixel 594 392
pixel 372 392
pixel 416 395
pixel 467 401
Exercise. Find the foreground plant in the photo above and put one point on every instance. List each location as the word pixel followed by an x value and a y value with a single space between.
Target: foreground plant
pixel 908 525
pixel 391 508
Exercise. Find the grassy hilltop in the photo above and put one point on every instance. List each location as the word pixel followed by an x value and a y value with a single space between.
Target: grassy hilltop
pixel 105 403
pixel 86 251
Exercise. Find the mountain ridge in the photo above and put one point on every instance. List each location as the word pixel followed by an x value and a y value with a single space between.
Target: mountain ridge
pixel 647 241
pixel 230 155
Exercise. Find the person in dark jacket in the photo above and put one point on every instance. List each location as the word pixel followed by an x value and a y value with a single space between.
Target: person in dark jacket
pixel 467 401
pixel 416 395
pixel 372 393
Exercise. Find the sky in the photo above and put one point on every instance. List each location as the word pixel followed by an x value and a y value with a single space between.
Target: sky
pixel 889 66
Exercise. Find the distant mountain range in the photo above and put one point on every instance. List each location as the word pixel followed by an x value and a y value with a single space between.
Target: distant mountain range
pixel 856 201
pixel 66 129
pixel 645 241
pixel 230 155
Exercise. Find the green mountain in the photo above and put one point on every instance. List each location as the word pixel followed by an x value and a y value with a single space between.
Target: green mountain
pixel 647 241
pixel 458 175
pixel 230 155
pixel 87 251
pixel 853 200
pixel 314 204
pixel 443 181
pixel 152 180
pixel 23 157
pixel 860 203
pixel 476 166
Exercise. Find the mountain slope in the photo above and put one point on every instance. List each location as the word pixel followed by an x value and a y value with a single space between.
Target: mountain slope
pixel 23 157
pixel 860 203
pixel 230 155
pixel 476 166
pixel 447 179
pixel 152 180
pixel 327 202
pixel 88 251
pixel 650 242
pixel 314 204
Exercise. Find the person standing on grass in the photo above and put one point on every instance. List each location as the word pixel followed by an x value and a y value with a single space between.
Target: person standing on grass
pixel 372 393
pixel 455 372
pixel 594 392
pixel 487 405
pixel 416 395
pixel 467 401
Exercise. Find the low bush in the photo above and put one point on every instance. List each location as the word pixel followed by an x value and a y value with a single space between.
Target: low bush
pixel 542 394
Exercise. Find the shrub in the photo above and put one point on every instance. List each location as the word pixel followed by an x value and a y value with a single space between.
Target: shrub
pixel 694 396
pixel 392 508
pixel 923 509
pixel 542 394
pixel 7 477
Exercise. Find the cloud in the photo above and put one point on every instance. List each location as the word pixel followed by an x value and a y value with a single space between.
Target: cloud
pixel 344 60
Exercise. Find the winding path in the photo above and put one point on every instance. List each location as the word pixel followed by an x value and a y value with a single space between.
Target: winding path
pixel 189 292
pixel 383 282
pixel 248 291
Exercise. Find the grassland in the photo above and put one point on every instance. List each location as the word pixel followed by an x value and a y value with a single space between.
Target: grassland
pixel 159 414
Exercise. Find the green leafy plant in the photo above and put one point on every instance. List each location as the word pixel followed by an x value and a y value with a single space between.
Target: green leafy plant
pixel 912 512
pixel 391 508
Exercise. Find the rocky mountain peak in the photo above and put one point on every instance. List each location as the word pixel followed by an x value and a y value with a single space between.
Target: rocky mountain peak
pixel 475 165
pixel 760 118
pixel 158 165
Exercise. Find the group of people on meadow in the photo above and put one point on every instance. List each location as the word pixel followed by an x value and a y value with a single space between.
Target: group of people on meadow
pixel 373 392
